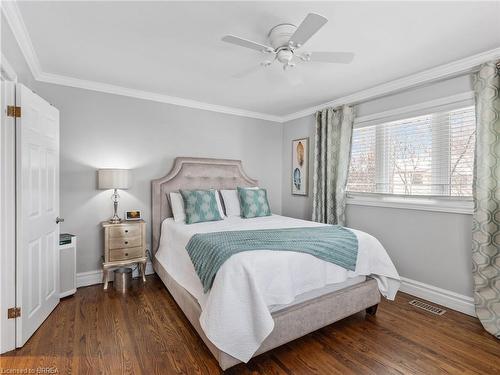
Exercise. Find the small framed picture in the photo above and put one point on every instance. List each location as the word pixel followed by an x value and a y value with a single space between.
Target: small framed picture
pixel 300 166
pixel 133 215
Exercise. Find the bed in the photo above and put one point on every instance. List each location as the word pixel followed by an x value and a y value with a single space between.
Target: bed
pixel 268 325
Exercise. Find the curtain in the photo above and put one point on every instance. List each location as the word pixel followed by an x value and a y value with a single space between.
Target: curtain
pixel 332 151
pixel 486 219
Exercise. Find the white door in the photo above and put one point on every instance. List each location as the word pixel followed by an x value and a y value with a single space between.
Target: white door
pixel 37 174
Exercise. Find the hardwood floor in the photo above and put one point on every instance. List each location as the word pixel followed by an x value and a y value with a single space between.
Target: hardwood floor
pixel 145 332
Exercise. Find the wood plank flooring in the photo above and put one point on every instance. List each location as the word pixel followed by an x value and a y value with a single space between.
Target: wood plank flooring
pixel 145 332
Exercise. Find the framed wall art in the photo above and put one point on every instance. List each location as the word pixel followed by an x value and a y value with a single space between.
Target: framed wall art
pixel 300 166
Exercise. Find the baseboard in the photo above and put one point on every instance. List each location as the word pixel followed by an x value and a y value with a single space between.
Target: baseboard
pixel 95 277
pixel 67 293
pixel 447 298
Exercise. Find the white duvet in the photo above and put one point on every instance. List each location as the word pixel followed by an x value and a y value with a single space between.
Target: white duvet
pixel 235 312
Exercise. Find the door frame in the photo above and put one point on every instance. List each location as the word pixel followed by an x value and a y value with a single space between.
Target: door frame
pixel 7 214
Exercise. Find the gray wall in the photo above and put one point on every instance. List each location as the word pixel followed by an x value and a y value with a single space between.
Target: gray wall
pixel 104 131
pixel 430 247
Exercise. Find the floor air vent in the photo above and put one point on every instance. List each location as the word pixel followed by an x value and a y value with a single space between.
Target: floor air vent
pixel 427 307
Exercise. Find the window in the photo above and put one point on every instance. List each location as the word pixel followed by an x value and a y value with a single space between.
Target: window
pixel 426 155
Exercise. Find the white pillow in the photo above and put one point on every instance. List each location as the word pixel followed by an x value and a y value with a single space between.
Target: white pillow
pixel 231 202
pixel 177 204
pixel 219 204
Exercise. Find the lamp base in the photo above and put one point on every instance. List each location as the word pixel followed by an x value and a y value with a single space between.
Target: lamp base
pixel 115 219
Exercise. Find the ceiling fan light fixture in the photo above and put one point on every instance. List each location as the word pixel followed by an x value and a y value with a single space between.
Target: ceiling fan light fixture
pixel 284 56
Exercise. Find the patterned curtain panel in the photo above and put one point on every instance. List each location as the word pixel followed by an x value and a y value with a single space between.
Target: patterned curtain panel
pixel 486 220
pixel 332 151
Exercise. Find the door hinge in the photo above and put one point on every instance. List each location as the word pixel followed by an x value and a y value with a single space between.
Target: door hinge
pixel 13 111
pixel 14 312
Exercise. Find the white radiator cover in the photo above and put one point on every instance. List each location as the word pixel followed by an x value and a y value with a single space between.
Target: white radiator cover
pixel 67 267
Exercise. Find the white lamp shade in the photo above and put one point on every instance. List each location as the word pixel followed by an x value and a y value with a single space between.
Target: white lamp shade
pixel 113 179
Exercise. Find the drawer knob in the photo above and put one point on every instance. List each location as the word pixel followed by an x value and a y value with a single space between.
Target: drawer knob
pixel 126 242
pixel 126 230
pixel 126 254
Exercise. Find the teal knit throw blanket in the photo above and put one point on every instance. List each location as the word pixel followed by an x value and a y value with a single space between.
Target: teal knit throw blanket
pixel 331 243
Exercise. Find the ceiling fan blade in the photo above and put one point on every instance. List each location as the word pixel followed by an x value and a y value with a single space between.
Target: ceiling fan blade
pixel 247 43
pixel 248 72
pixel 310 26
pixel 333 57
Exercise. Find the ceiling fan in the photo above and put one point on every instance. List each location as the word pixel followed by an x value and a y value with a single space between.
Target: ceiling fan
pixel 286 39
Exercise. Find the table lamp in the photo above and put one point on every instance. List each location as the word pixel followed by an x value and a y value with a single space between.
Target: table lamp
pixel 113 179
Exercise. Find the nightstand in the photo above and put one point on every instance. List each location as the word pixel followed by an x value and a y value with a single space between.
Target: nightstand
pixel 124 245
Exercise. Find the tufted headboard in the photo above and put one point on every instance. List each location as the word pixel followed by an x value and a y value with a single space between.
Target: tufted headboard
pixel 193 173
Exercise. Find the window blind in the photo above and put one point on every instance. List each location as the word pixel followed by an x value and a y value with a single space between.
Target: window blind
pixel 429 154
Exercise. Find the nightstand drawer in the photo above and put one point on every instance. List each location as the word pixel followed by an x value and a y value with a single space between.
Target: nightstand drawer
pixel 121 242
pixel 123 254
pixel 125 231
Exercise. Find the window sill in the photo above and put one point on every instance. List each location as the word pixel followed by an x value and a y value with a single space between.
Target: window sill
pixel 435 204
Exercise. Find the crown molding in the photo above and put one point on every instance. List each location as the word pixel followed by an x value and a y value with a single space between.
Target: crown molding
pixel 453 69
pixel 7 71
pixel 16 24
pixel 441 72
pixel 155 97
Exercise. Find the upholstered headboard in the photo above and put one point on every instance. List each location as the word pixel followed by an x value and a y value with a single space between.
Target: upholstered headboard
pixel 193 173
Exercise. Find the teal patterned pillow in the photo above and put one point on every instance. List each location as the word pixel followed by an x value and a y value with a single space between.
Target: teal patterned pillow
pixel 200 205
pixel 253 202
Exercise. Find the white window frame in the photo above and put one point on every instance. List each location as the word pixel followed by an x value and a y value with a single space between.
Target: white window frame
pixel 426 203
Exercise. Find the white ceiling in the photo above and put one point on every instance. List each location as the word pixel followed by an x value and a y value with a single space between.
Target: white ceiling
pixel 174 48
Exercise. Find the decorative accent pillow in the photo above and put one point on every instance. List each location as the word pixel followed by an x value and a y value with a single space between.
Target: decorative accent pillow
pixel 253 202
pixel 232 202
pixel 200 205
pixel 177 205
